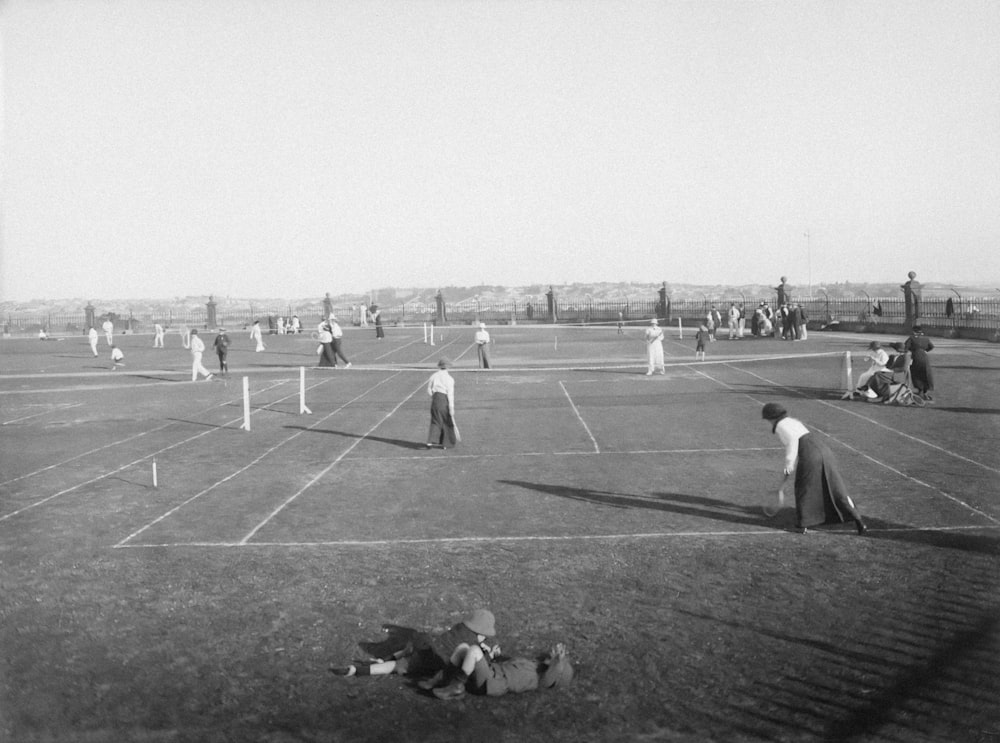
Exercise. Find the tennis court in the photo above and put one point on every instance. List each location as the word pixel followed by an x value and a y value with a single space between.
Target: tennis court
pixel 586 503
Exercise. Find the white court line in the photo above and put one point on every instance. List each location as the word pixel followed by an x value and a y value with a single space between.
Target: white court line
pixel 597 449
pixel 62 406
pixel 329 467
pixel 774 533
pixel 114 443
pixel 630 452
pixel 126 466
pixel 243 469
pixel 892 469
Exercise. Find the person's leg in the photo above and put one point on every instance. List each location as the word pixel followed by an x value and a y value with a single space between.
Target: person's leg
pixel 382 668
pixel 466 660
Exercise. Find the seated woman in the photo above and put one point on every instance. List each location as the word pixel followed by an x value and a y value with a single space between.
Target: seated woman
pixel 879 362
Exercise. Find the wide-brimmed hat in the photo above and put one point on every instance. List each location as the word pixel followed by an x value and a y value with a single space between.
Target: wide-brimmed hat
pixel 772 411
pixel 654 321
pixel 481 622
pixel 482 325
pixel 443 364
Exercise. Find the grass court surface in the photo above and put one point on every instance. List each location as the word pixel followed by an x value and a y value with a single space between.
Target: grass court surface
pixel 587 503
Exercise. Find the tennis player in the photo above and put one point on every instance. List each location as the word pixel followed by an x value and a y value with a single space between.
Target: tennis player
pixel 820 493
pixel 441 388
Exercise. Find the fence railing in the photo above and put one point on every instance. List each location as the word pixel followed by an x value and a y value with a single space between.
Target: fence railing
pixel 980 314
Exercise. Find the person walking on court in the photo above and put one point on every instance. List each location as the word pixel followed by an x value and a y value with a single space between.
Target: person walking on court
pixel 441 388
pixel 921 374
pixel 325 338
pixel 93 337
pixel 336 339
pixel 483 346
pixel 109 331
pixel 654 348
pixel 376 314
pixel 197 349
pixel 821 496
pixel 257 336
pixel 221 344
pixel 158 334
pixel 701 337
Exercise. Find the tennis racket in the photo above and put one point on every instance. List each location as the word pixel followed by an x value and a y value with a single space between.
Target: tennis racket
pixel 775 503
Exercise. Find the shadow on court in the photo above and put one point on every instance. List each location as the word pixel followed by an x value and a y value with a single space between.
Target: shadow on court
pixel 381 439
pixel 679 503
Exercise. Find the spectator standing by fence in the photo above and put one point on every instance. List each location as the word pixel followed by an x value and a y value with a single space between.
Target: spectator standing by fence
pixel 911 297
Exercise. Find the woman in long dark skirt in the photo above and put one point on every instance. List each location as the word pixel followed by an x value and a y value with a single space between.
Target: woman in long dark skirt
pixel 441 388
pixel 326 357
pixel 821 496
pixel 921 373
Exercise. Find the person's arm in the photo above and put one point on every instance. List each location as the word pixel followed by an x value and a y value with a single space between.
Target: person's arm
pixel 791 444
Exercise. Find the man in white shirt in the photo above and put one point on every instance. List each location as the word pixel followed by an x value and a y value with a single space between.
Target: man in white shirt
pixel 197 349
pixel 441 388
pixel 93 337
pixel 109 331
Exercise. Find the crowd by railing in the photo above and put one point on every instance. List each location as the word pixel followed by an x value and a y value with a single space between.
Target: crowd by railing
pixel 955 315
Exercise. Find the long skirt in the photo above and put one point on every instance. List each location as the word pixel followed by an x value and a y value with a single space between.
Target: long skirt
pixel 922 375
pixel 326 357
pixel 379 332
pixel 442 430
pixel 820 493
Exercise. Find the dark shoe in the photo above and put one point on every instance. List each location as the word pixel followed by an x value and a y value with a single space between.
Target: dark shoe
pixel 429 683
pixel 342 670
pixel 860 525
pixel 801 530
pixel 454 690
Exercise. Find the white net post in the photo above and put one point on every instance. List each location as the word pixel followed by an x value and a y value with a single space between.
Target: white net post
pixel 680 329
pixel 302 392
pixel 848 373
pixel 425 332
pixel 246 404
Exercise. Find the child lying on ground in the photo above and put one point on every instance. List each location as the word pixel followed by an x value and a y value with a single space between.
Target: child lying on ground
pixel 474 671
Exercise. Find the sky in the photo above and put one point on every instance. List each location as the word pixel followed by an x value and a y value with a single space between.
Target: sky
pixel 289 148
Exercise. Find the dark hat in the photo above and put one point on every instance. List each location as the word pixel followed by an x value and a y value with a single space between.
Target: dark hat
pixel 481 622
pixel 194 331
pixel 772 411
pixel 874 344
pixel 443 364
pixel 918 328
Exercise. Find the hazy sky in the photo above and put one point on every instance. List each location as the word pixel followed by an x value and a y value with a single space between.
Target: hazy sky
pixel 156 148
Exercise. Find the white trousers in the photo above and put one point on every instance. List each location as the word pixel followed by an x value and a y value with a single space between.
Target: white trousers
pixel 197 367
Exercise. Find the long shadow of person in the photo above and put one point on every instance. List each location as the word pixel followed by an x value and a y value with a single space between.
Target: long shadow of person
pixel 394 442
pixel 680 503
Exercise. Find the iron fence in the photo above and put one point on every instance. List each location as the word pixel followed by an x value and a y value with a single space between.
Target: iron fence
pixel 978 314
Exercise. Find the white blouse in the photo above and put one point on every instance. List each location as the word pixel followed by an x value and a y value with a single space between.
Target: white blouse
pixel 790 430
pixel 442 381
